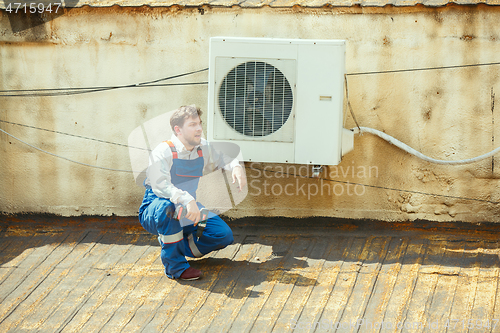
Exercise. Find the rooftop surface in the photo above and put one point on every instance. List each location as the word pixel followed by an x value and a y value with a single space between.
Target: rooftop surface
pixel 105 274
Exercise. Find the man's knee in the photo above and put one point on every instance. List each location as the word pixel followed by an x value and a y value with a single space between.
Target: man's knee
pixel 226 235
pixel 218 232
pixel 164 206
pixel 164 211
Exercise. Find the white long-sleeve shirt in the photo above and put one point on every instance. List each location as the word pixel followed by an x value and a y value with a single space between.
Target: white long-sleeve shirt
pixel 161 160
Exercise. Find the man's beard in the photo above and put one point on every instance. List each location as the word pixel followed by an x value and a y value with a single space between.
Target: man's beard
pixel 192 142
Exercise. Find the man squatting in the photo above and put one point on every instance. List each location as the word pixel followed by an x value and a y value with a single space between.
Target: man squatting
pixel 175 168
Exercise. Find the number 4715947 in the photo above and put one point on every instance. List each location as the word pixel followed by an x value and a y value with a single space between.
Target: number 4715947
pixel 33 7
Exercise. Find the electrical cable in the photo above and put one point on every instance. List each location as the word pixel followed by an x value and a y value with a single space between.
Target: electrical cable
pixel 424 69
pixel 132 85
pixel 84 90
pixel 349 102
pixel 62 157
pixel 74 135
pixel 418 154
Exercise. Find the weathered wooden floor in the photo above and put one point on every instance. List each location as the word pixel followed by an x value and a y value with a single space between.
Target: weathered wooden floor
pixel 91 276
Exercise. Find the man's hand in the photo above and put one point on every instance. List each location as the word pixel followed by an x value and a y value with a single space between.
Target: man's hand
pixel 193 212
pixel 239 175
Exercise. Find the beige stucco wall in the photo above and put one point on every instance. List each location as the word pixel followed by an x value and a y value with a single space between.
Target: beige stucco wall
pixel 446 114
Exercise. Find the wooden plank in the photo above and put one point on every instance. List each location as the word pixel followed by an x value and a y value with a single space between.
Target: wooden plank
pixel 174 301
pixel 26 243
pixel 59 303
pixel 5 241
pixel 463 299
pixel 405 283
pixel 282 289
pixel 255 252
pixel 29 274
pixel 12 256
pixel 421 298
pixel 149 308
pixel 334 259
pixel 85 278
pixel 345 282
pixel 45 278
pixel 11 244
pixel 439 310
pixel 306 279
pixel 57 290
pixel 495 316
pixel 108 273
pixel 217 265
pixel 481 318
pixel 145 279
pixel 212 314
pixel 373 317
pixel 169 305
pixel 107 300
pixel 365 282
pixel 259 283
pixel 161 287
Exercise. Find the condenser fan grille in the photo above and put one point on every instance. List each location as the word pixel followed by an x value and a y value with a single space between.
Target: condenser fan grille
pixel 255 99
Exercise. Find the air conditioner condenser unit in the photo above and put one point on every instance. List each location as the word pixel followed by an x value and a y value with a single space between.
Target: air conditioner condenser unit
pixel 280 100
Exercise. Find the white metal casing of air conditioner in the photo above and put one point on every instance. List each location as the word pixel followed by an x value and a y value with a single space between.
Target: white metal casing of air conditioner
pixel 315 70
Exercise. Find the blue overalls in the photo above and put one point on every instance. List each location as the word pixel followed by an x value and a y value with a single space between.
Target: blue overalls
pixel 156 216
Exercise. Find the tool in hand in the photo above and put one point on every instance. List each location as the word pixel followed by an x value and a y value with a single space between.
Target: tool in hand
pixel 181 211
pixel 203 222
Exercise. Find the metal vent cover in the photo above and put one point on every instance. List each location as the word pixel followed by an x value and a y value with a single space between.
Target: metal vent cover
pixel 255 99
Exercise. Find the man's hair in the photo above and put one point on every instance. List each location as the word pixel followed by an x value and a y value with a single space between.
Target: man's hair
pixel 181 114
